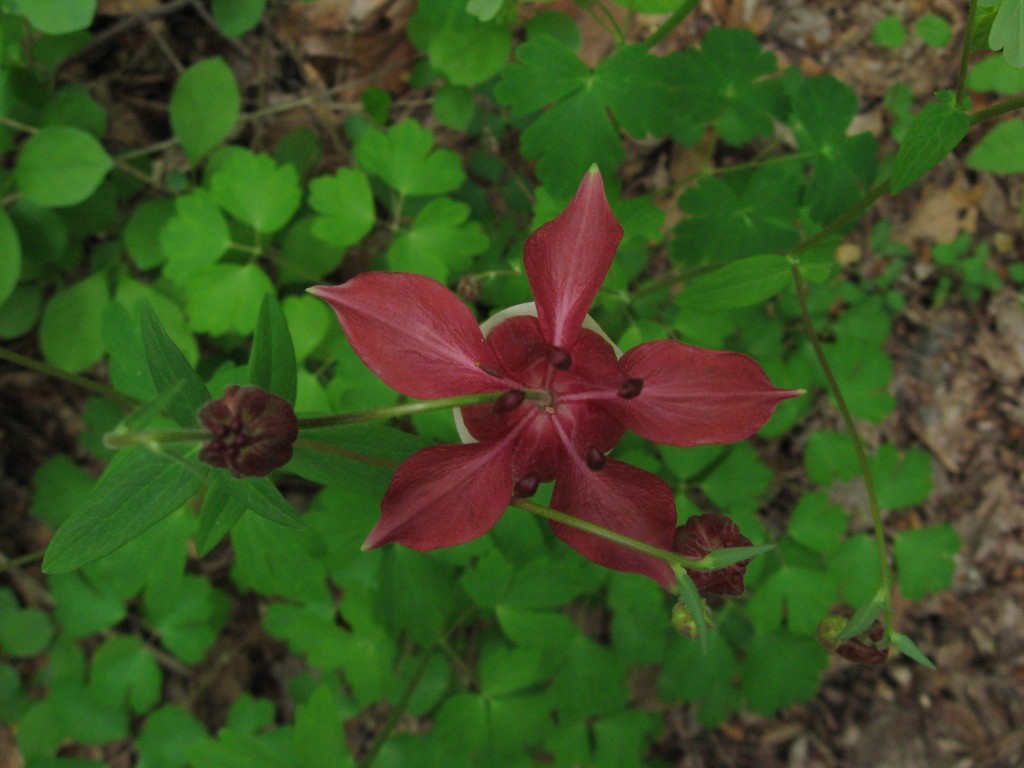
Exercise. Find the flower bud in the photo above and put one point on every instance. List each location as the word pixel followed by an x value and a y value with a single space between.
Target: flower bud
pixel 683 621
pixel 252 431
pixel 701 535
pixel 865 648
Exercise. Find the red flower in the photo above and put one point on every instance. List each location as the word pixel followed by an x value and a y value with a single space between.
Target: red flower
pixel 424 342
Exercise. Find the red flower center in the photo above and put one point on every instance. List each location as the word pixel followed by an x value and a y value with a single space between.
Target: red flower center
pixel 562 417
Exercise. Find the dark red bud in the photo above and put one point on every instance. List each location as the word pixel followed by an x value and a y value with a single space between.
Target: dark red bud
pixel 252 431
pixel 630 388
pixel 508 401
pixel 559 359
pixel 701 535
pixel 526 486
pixel 865 648
pixel 596 458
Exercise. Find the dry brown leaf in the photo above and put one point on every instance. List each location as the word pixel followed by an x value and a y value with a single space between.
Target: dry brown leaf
pixel 941 215
pixel 125 7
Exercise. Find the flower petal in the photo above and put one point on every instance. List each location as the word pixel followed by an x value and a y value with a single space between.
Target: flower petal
pixel 567 260
pixel 692 396
pixel 414 333
pixel 445 495
pixel 622 498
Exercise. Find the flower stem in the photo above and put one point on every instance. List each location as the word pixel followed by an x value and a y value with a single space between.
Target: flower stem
pixel 670 23
pixel 996 110
pixel 39 366
pixel 394 411
pixel 398 711
pixel 965 54
pixel 858 444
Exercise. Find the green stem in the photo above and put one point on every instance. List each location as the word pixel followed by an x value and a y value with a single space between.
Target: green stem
pixel 851 215
pixel 858 444
pixel 965 54
pixel 996 110
pixel 158 436
pixel 670 23
pixel 345 453
pixel 397 712
pixel 45 368
pixel 394 411
pixel 7 564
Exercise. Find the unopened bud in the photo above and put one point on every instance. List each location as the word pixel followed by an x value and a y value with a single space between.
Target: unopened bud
pixel 252 431
pixel 703 534
pixel 684 623
pixel 865 648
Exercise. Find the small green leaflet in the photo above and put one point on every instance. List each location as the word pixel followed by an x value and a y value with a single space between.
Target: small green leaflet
pixel 204 107
pixel 741 283
pixel 226 298
pixel 1007 32
pixel 864 617
pixel 924 559
pixel 138 489
pixel 468 49
pixel 405 158
pixel 909 649
pixel 440 241
pixel 344 204
pixel 61 166
pixel 254 189
pixel 720 558
pixel 10 256
pixel 71 329
pixel 195 237
pixel 169 368
pixel 58 17
pixel 694 604
pixel 220 512
pixel 260 495
pixel 272 360
pixel 236 17
pixel 933 133
pixel 1002 149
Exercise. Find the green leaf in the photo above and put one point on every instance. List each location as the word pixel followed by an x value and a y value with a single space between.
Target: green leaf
pixel 741 283
pixel 272 359
pixel 165 736
pixel 1007 32
pixel 275 560
pixel 195 237
pixel 142 232
pixel 994 74
pixel 405 159
pixel 818 524
pixel 236 17
pixel 1001 150
pixel 344 204
pixel 909 649
pixel 309 320
pixel 933 30
pixel 58 17
pixel 889 33
pixel 84 607
pixel 61 166
pixel 639 630
pixel 901 480
pixel 924 559
pixel 545 70
pixel 10 257
pixel 226 298
pixel 169 368
pixel 255 190
pixel 536 628
pixel 220 512
pixel 20 313
pixel 467 50
pixel 694 604
pixel 781 669
pixel 189 619
pixel 260 495
pixel 204 107
pixel 802 595
pixel 138 489
pixel 454 107
pixel 863 618
pixel 23 632
pixel 304 257
pixel 320 733
pixel 127 366
pixel 73 106
pixel 933 133
pixel 71 329
pixel 715 688
pixel 122 671
pixel 440 241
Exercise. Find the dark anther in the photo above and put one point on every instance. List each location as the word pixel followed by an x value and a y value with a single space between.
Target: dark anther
pixel 526 486
pixel 559 359
pixel 596 458
pixel 508 401
pixel 630 388
pixel 489 371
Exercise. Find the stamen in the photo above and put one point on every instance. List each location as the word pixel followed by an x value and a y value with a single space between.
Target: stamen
pixel 559 359
pixel 630 388
pixel 526 486
pixel 596 458
pixel 508 401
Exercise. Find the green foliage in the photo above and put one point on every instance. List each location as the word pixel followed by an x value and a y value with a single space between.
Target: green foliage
pixel 924 559
pixel 934 30
pixel 932 134
pixel 889 33
pixel 204 107
pixel 1000 150
pixel 61 166
pixel 1007 33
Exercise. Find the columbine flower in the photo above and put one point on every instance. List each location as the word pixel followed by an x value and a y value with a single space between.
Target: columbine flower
pixel 423 341
pixel 252 431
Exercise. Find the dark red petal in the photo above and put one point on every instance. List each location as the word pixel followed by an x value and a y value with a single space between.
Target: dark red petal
pixel 445 495
pixel 693 396
pixel 703 534
pixel 414 333
pixel 622 498
pixel 567 260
